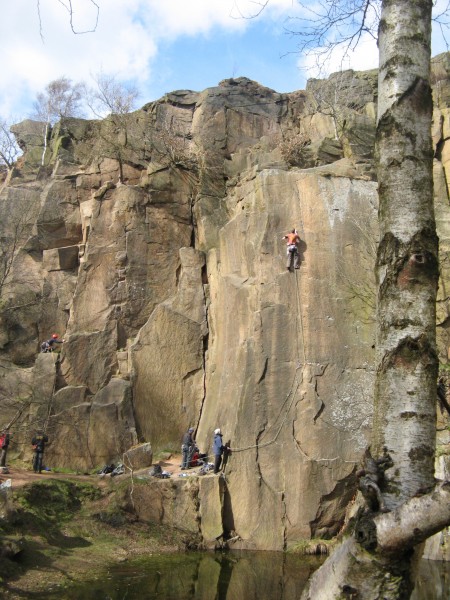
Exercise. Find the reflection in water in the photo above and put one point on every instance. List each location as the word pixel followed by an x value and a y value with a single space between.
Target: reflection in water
pixel 224 576
pixel 433 582
pixel 195 576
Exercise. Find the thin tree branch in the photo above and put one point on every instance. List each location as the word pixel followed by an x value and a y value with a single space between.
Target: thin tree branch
pixel 70 10
pixel 414 521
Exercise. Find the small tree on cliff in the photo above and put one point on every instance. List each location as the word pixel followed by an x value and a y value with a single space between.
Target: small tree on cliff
pixel 61 98
pixel 113 101
pixel 9 149
pixel 15 228
pixel 336 97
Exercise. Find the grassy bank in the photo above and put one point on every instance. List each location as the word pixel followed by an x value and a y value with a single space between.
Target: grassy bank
pixel 59 531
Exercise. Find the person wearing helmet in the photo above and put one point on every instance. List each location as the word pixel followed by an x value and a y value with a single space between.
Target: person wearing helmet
pixel 292 243
pixel 47 346
pixel 218 450
pixel 187 448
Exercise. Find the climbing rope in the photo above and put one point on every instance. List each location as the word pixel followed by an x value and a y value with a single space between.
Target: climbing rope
pixel 50 403
pixel 299 318
pixel 295 382
pixel 292 391
pixel 297 286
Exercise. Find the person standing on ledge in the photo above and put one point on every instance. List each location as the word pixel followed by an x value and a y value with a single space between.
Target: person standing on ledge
pixel 38 442
pixel 292 243
pixel 218 450
pixel 187 448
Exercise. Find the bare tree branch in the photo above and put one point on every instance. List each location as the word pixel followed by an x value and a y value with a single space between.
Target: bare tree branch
pixel 112 101
pixel 259 8
pixel 61 98
pixel 408 525
pixel 9 149
pixel 110 96
pixel 334 24
pixel 68 5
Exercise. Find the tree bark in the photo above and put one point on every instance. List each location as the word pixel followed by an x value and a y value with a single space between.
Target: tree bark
pixel 354 573
pixel 47 127
pixel 411 523
pixel 378 561
pixel 407 264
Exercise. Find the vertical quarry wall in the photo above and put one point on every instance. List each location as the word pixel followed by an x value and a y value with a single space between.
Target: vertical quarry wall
pixel 153 245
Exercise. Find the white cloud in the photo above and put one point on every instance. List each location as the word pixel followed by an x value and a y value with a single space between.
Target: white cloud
pixel 127 39
pixel 180 17
pixel 362 58
pixel 194 17
pixel 120 45
pixel 125 42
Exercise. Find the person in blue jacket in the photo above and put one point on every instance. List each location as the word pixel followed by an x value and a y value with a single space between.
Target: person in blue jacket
pixel 49 345
pixel 218 450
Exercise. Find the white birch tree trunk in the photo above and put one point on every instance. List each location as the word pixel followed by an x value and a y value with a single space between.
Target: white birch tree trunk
pixel 407 264
pixel 47 126
pixel 378 561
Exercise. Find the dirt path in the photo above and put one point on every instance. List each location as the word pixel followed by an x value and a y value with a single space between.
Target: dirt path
pixel 20 476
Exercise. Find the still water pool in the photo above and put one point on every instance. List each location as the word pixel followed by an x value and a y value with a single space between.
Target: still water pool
pixel 221 576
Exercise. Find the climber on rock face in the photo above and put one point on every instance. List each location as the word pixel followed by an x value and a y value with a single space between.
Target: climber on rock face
pixel 292 243
pixel 47 346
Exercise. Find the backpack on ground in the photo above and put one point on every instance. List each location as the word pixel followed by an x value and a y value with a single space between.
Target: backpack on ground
pixel 119 470
pixel 206 468
pixel 106 469
pixel 155 471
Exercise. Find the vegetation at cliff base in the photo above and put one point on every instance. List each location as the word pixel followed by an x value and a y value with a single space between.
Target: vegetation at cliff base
pixel 57 531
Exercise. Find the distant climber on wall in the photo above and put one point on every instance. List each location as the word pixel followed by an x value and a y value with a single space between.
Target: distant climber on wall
pixel 40 439
pixel 48 345
pixel 292 243
pixel 187 448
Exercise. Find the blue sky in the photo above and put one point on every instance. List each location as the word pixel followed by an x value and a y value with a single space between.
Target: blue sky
pixel 158 45
pixel 202 61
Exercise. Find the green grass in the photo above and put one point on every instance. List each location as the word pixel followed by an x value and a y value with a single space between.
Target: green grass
pixel 67 528
pixel 43 506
